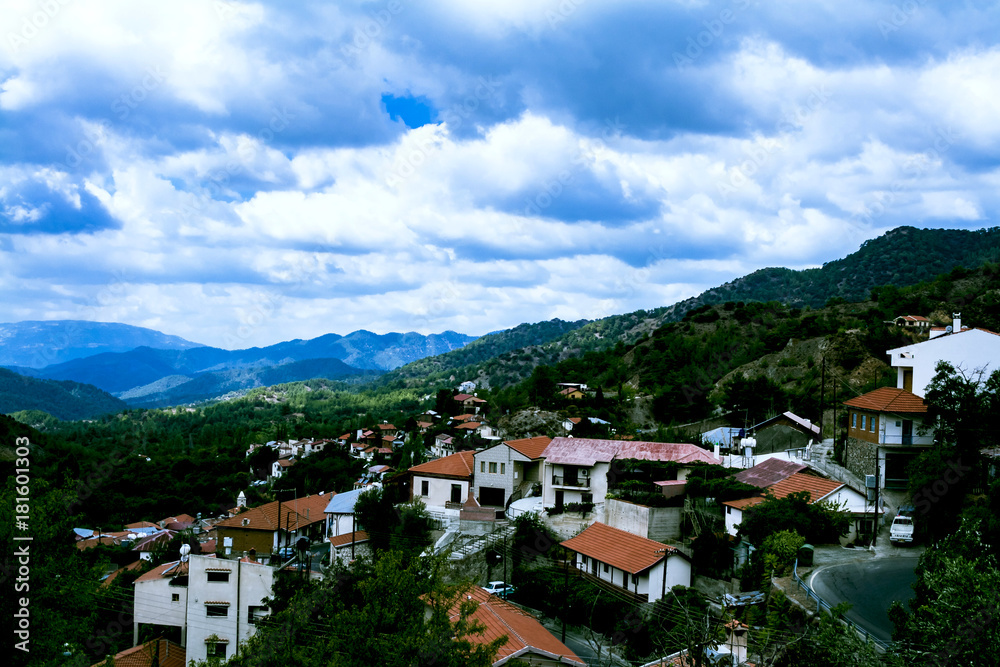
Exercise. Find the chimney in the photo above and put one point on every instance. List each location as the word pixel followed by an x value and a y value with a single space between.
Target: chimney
pixel 716 451
pixel 956 322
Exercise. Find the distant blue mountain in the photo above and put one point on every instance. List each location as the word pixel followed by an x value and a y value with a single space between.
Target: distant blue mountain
pixel 149 375
pixel 40 344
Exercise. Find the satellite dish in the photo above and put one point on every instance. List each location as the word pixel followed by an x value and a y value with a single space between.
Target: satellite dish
pixel 185 550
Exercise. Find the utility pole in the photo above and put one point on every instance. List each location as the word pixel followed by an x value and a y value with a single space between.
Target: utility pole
pixel 822 395
pixel 565 597
pixel 878 490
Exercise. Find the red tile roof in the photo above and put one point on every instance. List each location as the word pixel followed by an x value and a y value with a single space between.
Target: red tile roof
pixel 305 511
pixel 587 451
pixel 525 635
pixel 347 538
pixel 457 465
pixel 468 397
pixel 618 548
pixel 172 569
pixel 889 399
pixel 156 652
pixel 530 447
pixel 469 425
pixel 140 524
pixel 817 487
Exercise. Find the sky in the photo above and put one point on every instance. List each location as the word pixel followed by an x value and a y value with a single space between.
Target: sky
pixel 242 173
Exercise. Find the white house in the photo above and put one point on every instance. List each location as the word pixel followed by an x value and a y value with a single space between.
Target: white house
pixel 577 469
pixel 645 568
pixel 216 602
pixel 443 482
pixel 968 349
pixel 340 513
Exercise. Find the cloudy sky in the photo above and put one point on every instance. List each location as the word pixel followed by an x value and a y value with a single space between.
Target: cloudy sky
pixel 240 173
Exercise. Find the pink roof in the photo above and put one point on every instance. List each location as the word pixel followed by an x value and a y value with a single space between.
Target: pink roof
pixel 587 451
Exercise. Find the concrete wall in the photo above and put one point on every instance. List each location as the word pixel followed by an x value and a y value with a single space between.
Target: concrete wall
pixel 153 602
pixel 439 490
pixel 503 457
pixel 656 523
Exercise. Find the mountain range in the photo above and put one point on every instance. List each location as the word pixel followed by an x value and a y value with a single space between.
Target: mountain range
pixel 146 368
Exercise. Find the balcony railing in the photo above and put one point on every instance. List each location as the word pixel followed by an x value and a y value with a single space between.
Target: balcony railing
pixel 902 440
pixel 576 482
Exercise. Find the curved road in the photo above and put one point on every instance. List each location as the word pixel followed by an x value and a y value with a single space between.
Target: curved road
pixel 871 587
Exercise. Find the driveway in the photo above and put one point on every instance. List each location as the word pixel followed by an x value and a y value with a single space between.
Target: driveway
pixel 871 587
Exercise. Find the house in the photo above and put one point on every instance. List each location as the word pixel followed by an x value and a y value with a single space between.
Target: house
pixel 443 445
pixel 267 527
pixel 339 512
pixel 154 653
pixel 783 432
pixel 819 488
pixel 509 470
pixel 968 349
pixel 444 482
pixel 217 603
pixel 527 640
pixel 347 547
pixel 280 467
pixel 644 568
pixel 885 432
pixel 470 403
pixel 915 322
pixel 572 393
pixel 147 544
pixel 577 469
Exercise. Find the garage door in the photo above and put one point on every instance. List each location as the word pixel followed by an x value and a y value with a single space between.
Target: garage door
pixel 491 496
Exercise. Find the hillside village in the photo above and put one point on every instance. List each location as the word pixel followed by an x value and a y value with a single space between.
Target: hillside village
pixel 635 519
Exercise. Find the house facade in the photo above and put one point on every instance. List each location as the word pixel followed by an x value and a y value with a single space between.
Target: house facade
pixel 266 528
pixel 885 432
pixel 510 468
pixel 968 349
pixel 644 568
pixel 576 470
pixel 217 603
pixel 444 482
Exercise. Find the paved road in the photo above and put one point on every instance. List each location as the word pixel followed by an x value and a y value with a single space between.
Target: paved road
pixel 870 586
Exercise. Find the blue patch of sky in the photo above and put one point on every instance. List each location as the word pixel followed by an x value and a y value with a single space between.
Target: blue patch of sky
pixel 413 111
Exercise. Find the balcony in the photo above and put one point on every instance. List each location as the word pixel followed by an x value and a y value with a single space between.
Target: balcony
pixel 571 482
pixel 906 440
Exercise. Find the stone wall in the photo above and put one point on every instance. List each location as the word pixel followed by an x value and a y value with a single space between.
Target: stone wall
pixel 859 457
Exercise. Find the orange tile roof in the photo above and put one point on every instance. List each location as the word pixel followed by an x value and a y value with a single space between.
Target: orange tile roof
pixel 468 425
pixel 525 635
pixel 172 569
pixel 126 568
pixel 455 465
pixel 818 488
pixel 305 511
pixel 889 399
pixel 618 548
pixel 530 447
pixel 161 652
pixel 140 524
pixel 346 538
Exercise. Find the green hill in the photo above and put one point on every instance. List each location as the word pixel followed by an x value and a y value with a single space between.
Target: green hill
pixel 64 400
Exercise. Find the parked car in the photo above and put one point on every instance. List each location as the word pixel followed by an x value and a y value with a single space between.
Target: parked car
pixel 499 588
pixel 901 530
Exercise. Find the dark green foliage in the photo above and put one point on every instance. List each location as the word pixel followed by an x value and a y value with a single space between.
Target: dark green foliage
pixel 404 527
pixel 817 523
pixel 758 398
pixel 63 400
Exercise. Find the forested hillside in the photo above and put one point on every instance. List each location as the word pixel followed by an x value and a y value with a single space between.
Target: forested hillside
pixel 64 400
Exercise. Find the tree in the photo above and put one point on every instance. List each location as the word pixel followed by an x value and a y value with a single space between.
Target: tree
pixel 818 523
pixel 405 527
pixel 396 612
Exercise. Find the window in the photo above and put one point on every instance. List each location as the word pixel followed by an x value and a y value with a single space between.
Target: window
pixel 606 568
pixel 425 488
pixel 482 466
pixel 255 614
pixel 215 650
pixel 175 597
pixel 503 467
pixel 862 422
pixel 587 497
pixel 625 580
pixel 218 577
pixel 493 468
pixel 216 610
pixel 854 420
pixel 729 510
